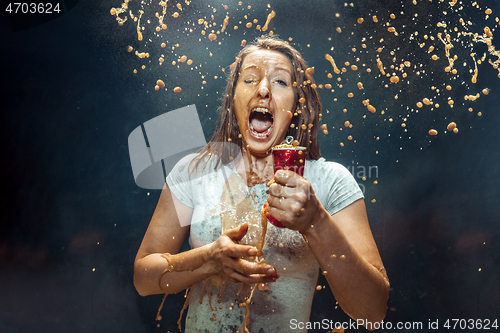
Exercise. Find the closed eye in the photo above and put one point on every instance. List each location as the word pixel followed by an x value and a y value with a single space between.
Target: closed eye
pixel 281 82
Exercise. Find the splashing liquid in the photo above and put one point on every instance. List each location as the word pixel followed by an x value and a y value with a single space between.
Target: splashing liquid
pixel 428 68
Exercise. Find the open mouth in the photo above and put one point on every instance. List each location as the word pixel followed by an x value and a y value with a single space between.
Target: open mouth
pixel 261 122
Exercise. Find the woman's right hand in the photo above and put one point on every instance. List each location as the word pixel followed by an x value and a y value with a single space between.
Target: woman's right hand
pixel 228 257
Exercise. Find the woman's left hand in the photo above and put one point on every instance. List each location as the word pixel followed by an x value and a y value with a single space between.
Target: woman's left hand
pixel 292 201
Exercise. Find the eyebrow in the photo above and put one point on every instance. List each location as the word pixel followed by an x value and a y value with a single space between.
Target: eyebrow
pixel 275 68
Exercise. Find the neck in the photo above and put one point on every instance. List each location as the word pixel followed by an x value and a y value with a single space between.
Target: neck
pixel 262 165
pixel 258 169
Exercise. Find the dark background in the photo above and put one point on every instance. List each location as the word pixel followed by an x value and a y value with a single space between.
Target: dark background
pixel 73 218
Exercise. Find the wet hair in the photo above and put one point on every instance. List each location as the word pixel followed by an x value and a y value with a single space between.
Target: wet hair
pixel 306 113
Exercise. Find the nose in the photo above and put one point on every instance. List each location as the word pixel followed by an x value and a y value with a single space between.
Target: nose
pixel 263 90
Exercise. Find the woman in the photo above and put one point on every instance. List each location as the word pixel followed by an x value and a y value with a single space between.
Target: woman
pixel 270 95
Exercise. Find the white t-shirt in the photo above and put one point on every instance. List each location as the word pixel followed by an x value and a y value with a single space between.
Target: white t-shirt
pixel 290 298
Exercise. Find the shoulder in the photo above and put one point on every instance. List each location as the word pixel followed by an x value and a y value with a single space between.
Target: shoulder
pixel 186 180
pixel 187 169
pixel 333 184
pixel 325 169
pixel 191 165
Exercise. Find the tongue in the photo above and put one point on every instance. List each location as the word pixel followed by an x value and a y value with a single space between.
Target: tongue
pixel 261 123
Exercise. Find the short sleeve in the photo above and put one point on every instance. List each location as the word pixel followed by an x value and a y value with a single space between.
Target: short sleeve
pixel 179 183
pixel 333 184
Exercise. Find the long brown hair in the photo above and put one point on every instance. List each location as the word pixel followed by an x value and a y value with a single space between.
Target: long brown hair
pixel 307 106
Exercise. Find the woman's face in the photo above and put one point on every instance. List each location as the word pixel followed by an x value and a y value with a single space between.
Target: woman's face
pixel 264 99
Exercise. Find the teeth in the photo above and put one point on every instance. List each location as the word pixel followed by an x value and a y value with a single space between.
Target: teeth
pixel 266 132
pixel 261 110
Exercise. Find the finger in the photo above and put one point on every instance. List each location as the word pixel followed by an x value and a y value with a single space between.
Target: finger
pixel 290 180
pixel 293 205
pixel 300 194
pixel 252 279
pixel 279 190
pixel 277 202
pixel 249 278
pixel 230 249
pixel 282 191
pixel 246 267
pixel 236 234
pixel 287 177
pixel 276 212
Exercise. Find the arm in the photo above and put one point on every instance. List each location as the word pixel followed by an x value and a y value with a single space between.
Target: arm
pixel 345 249
pixel 342 243
pixel 160 268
